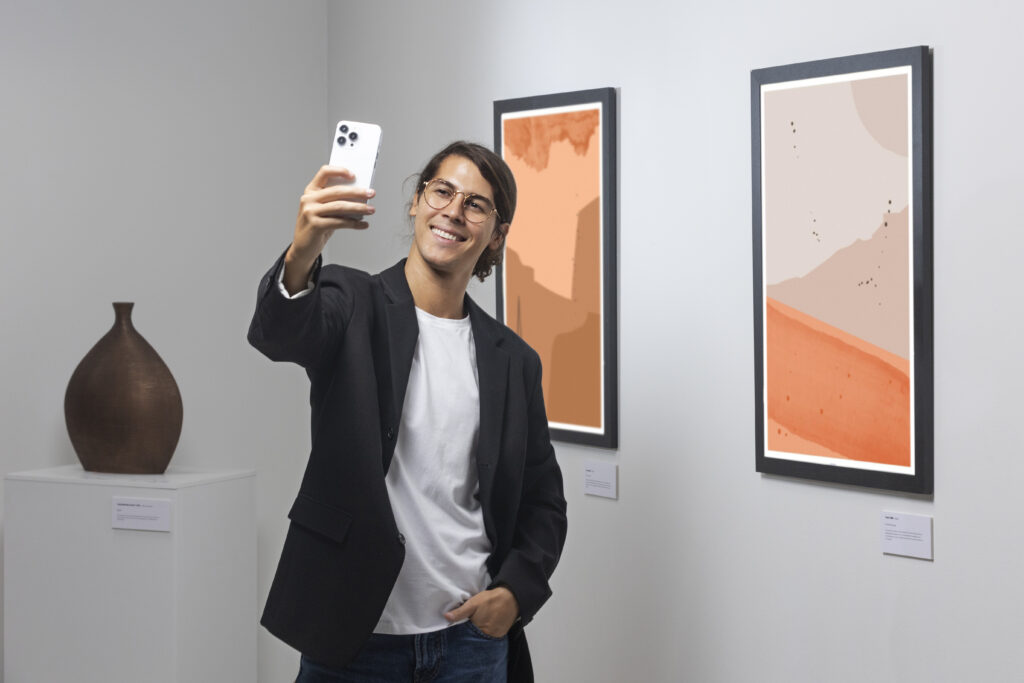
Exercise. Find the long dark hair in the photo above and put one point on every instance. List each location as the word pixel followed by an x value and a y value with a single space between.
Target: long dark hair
pixel 496 172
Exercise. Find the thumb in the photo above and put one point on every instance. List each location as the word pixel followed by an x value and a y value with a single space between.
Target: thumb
pixel 463 611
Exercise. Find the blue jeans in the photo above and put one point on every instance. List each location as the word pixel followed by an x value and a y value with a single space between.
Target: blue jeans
pixel 458 654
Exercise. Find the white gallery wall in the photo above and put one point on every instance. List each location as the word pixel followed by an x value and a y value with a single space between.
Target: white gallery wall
pixel 704 570
pixel 155 151
pixel 148 153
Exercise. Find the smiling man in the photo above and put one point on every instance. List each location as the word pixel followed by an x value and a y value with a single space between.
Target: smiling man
pixel 431 514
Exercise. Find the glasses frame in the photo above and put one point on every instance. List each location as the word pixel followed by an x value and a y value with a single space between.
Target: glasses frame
pixel 466 196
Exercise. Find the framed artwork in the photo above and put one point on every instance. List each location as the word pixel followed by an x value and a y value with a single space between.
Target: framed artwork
pixel 557 286
pixel 842 244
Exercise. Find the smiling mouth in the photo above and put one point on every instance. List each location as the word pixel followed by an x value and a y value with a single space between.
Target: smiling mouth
pixel 445 235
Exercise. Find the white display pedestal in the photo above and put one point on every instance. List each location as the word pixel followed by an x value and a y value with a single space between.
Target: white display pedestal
pixel 87 602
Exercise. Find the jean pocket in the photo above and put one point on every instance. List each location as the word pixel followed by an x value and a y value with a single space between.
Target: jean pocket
pixel 311 672
pixel 478 632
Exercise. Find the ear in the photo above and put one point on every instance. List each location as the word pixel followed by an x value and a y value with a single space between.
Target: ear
pixel 415 203
pixel 499 235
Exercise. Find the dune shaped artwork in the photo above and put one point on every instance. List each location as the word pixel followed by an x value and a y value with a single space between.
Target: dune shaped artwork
pixel 842 265
pixel 556 286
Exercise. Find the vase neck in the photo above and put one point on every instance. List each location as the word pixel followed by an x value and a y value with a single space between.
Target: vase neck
pixel 123 313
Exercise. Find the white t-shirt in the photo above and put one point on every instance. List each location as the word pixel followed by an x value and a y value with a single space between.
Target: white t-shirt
pixel 433 483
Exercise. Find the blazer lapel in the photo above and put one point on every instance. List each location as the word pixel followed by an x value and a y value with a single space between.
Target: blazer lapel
pixel 402 334
pixel 492 367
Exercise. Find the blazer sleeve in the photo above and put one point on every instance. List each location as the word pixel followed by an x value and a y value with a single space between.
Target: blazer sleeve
pixel 306 330
pixel 541 523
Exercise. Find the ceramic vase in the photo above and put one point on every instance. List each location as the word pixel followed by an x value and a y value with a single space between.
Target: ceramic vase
pixel 122 406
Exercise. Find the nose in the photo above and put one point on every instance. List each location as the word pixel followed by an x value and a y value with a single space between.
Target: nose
pixel 456 208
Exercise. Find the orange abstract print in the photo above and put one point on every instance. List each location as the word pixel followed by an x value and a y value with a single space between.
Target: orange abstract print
pixel 833 395
pixel 837 270
pixel 553 257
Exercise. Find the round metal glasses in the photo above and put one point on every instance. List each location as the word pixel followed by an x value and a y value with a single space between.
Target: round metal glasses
pixel 439 193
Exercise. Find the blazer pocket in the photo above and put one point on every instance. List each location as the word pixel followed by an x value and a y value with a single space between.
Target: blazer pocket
pixel 324 519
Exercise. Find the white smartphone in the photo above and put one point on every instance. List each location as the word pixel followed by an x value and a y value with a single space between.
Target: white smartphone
pixel 355 146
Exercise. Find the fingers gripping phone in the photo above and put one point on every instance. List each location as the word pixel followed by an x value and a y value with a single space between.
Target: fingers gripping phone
pixel 355 146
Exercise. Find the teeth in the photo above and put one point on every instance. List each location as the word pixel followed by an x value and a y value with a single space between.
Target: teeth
pixel 445 234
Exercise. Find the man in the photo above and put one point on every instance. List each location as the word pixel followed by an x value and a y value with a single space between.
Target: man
pixel 431 513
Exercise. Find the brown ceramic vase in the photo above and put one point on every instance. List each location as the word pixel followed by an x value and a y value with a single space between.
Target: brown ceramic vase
pixel 122 406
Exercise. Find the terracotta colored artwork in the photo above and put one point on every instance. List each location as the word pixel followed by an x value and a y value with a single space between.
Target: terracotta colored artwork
pixel 842 234
pixel 556 286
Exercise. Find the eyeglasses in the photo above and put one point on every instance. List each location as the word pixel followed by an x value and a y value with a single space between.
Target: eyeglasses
pixel 439 193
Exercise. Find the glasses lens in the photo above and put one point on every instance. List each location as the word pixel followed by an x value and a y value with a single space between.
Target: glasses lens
pixel 438 194
pixel 477 208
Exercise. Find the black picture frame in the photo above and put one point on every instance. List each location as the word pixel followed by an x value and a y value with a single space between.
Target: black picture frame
pixel 811 357
pixel 581 389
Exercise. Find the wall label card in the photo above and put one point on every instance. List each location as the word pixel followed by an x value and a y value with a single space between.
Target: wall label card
pixel 140 514
pixel 601 479
pixel 907 535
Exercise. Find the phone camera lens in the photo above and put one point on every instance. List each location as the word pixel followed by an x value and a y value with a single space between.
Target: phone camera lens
pixel 343 129
pixel 341 140
pixel 353 136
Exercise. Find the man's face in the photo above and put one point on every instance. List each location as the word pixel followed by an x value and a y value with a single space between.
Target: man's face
pixel 443 238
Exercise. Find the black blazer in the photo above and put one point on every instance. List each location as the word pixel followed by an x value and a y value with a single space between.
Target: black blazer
pixel 355 335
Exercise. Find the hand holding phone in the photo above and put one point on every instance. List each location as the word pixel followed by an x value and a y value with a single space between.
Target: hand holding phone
pixel 354 148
